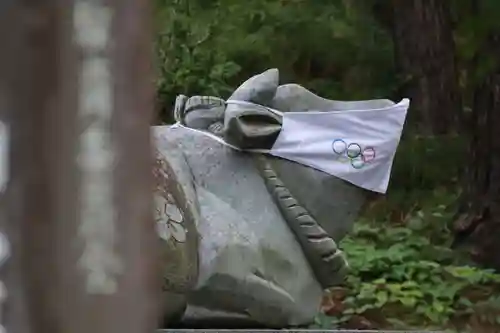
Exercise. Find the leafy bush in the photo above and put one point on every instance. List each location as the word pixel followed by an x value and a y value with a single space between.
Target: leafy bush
pixel 405 276
pixel 186 62
pixel 403 273
pixel 209 47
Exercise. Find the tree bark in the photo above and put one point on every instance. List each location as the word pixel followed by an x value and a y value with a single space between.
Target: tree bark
pixel 77 84
pixel 478 225
pixel 425 54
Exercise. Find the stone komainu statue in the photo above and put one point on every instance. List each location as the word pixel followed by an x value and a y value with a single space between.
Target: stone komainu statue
pixel 248 238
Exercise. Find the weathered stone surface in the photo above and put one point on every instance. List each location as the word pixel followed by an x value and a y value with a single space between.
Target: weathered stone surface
pixel 268 227
pixel 250 127
pixel 333 202
pixel 203 111
pixel 295 98
pixel 259 89
pixel 307 212
pixel 176 211
pixel 327 262
pixel 295 330
pixel 201 318
pixel 250 263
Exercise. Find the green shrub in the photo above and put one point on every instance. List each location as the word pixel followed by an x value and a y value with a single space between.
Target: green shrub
pixel 405 276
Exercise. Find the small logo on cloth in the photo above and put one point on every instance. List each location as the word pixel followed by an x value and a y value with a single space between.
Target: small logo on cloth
pixel 353 153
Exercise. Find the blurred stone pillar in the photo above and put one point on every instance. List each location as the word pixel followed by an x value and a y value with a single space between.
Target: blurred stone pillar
pixel 77 87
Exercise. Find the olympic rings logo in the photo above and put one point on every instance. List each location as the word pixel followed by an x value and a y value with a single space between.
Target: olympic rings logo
pixel 353 153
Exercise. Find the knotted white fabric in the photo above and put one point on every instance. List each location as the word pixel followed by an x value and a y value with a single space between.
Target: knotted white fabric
pixel 357 146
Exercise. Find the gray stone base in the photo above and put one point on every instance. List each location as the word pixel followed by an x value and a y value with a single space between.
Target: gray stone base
pixel 285 331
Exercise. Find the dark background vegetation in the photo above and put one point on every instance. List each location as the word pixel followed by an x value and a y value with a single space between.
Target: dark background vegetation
pixel 425 254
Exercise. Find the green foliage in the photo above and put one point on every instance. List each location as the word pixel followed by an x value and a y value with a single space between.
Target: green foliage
pixel 340 49
pixel 209 47
pixel 421 166
pixel 404 275
pixel 184 63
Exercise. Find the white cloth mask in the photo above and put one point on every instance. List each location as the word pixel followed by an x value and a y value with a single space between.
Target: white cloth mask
pixel 357 146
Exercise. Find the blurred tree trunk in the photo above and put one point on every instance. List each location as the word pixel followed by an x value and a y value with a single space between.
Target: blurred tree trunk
pixel 425 55
pixel 478 225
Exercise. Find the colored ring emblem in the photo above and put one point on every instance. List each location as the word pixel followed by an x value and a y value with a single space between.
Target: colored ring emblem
pixel 353 153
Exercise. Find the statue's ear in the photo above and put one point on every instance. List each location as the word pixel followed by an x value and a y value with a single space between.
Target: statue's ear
pixel 253 129
pixel 259 89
